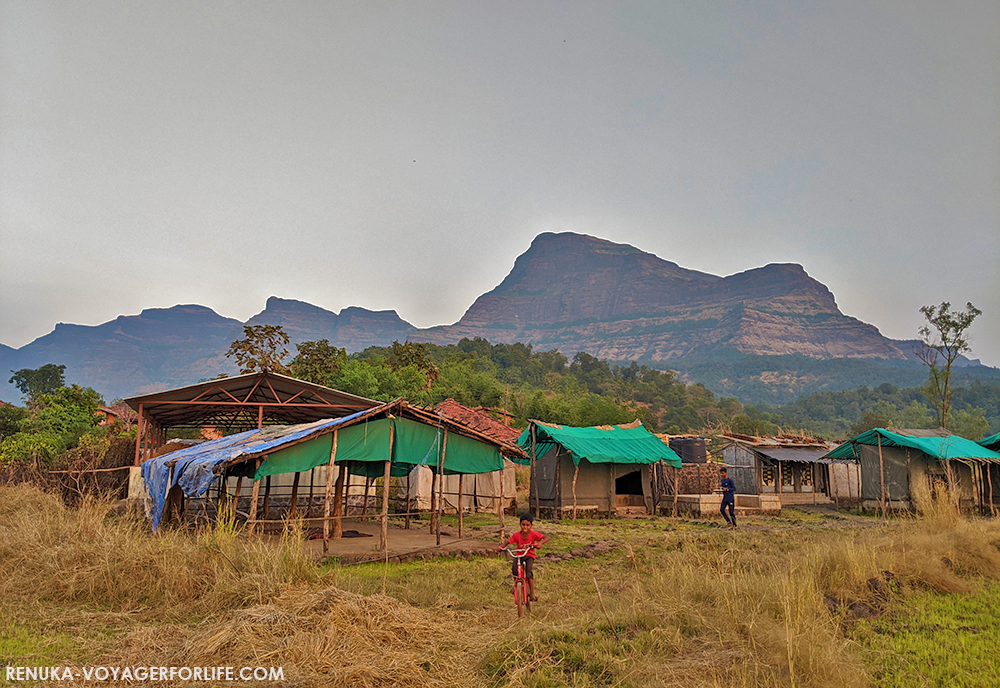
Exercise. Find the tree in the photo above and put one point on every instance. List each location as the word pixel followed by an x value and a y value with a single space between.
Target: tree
pixel 944 340
pixel 45 380
pixel 318 362
pixel 407 354
pixel 261 350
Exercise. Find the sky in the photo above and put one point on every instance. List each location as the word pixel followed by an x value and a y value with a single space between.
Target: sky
pixel 401 155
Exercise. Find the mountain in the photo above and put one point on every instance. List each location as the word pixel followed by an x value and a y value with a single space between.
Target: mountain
pixel 575 293
pixel 169 347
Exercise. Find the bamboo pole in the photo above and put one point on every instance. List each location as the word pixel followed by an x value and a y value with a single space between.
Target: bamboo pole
pixel 236 497
pixel 833 476
pixel 326 498
pixel 559 501
pixel 503 500
pixel 576 474
pixel 434 489
pixel 461 477
pixel 989 477
pixel 253 501
pixel 364 507
pixel 408 474
pixel 138 436
pixel 312 481
pixel 295 495
pixel 881 466
pixel 611 490
pixel 444 448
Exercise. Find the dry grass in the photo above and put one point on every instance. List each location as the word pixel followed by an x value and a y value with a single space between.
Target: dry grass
pixel 691 607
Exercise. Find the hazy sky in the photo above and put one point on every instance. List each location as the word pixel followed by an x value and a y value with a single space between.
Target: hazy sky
pixel 401 155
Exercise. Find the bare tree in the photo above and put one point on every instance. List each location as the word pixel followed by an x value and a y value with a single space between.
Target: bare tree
pixel 944 340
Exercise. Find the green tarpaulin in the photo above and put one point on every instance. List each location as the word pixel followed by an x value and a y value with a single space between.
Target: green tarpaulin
pixel 991 442
pixel 365 448
pixel 944 448
pixel 604 444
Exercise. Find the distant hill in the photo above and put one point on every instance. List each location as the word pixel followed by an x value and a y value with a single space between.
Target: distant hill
pixel 769 334
pixel 579 293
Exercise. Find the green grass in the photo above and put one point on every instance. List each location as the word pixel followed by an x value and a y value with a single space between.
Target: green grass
pixel 22 645
pixel 930 639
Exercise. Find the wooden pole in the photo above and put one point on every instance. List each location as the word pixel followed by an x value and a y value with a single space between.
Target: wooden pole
pixel 677 488
pixel 832 469
pixel 408 474
pixel 461 477
pixel 326 498
pixel 236 497
pixel 138 435
pixel 260 416
pixel 559 501
pixel 312 480
pixel 440 504
pixel 384 534
pixel 364 507
pixel 881 466
pixel 989 477
pixel 611 490
pixel 253 501
pixel 503 500
pixel 267 497
pixel 434 513
pixel 295 495
pixel 812 470
pixel 576 474
pixel 533 473
pixel 343 476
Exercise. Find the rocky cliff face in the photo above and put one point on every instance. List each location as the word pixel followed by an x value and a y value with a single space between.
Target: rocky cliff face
pixel 579 293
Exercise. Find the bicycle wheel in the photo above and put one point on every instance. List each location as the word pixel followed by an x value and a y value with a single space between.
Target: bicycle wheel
pixel 519 596
pixel 527 598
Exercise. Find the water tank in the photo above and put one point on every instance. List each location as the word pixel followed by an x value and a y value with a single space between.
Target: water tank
pixel 690 449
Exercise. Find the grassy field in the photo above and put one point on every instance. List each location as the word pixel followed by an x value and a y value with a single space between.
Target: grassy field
pixel 804 600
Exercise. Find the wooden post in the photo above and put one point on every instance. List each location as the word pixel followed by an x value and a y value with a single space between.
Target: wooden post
pixel 611 490
pixel 312 480
pixel 989 477
pixel 440 504
pixel 384 534
pixel 364 507
pixel 533 473
pixel 832 470
pixel 267 497
pixel 295 495
pixel 461 477
pixel 236 497
pixel 408 474
pixel 253 502
pixel 559 502
pixel 812 470
pixel 326 499
pixel 138 435
pixel 677 488
pixel 881 466
pixel 339 508
pixel 260 416
pixel 503 500
pixel 576 474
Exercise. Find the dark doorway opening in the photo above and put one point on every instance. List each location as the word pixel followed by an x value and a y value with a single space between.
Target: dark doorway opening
pixel 629 484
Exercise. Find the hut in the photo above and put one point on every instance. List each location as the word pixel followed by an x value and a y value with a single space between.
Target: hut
pixel 481 492
pixel 385 441
pixel 603 469
pixel 794 469
pixel 894 461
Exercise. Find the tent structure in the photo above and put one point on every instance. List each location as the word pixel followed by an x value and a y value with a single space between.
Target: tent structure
pixel 481 492
pixel 237 403
pixel 384 441
pixel 795 469
pixel 602 468
pixel 991 442
pixel 893 461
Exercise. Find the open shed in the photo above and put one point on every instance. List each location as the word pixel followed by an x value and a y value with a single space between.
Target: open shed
pixel 893 461
pixel 381 442
pixel 602 468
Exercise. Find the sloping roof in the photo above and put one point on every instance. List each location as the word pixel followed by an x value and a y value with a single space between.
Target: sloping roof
pixel 121 411
pixel 621 444
pixel 242 400
pixel 939 447
pixel 785 447
pixel 477 420
pixel 195 468
pixel 991 442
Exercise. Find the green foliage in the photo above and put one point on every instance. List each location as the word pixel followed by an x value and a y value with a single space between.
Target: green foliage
pixel 318 362
pixel 262 349
pixel 35 382
pixel 10 419
pixel 944 340
pixel 53 423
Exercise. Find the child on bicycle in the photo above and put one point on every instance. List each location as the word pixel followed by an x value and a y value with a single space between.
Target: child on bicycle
pixel 525 538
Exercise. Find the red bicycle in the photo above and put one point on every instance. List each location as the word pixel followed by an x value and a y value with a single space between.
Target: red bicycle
pixel 521 597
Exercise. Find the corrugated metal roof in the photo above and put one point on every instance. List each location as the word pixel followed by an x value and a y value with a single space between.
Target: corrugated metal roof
pixel 807 454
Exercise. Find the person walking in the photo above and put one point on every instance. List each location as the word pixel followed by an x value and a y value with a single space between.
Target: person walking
pixel 728 488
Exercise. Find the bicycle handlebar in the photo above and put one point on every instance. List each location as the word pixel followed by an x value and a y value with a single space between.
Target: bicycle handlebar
pixel 517 553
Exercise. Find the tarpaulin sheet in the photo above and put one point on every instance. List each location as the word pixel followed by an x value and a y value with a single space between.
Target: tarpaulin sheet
pixel 419 444
pixel 943 448
pixel 991 442
pixel 603 444
pixel 297 458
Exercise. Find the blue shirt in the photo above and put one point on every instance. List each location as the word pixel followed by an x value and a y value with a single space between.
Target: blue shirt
pixel 728 490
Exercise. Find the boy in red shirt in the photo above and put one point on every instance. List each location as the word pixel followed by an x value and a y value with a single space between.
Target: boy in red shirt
pixel 522 539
